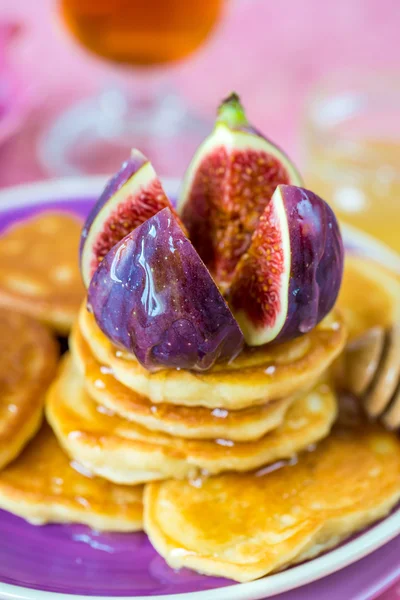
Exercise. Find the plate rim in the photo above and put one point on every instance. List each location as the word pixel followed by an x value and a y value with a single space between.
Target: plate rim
pixel 28 194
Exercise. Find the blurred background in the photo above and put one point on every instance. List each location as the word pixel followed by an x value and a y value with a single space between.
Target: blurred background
pixel 81 81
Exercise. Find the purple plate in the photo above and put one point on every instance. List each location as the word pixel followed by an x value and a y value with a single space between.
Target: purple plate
pixel 72 559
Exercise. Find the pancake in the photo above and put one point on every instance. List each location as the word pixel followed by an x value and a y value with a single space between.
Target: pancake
pixel 42 487
pixel 194 422
pixel 125 452
pixel 28 360
pixel 369 296
pixel 244 526
pixel 256 376
pixel 39 272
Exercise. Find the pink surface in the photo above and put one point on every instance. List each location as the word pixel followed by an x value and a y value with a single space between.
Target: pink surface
pixel 270 52
pixel 391 594
pixel 14 97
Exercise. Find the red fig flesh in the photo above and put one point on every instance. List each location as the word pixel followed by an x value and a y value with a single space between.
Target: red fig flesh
pixel 131 197
pixel 290 277
pixel 153 296
pixel 227 187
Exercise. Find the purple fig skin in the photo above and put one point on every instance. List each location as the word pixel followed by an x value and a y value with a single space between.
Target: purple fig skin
pixel 153 296
pixel 127 170
pixel 317 260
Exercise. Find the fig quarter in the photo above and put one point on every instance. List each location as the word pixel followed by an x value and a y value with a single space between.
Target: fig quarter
pixel 153 296
pixel 290 277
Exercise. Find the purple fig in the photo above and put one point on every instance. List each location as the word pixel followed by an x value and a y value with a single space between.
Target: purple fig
pixel 290 277
pixel 227 186
pixel 153 296
pixel 131 197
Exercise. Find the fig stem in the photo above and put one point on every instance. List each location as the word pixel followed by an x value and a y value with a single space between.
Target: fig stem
pixel 231 112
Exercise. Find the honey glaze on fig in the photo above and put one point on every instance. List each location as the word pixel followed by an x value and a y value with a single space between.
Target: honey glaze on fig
pixel 316 276
pixel 125 217
pixel 153 296
pixel 237 186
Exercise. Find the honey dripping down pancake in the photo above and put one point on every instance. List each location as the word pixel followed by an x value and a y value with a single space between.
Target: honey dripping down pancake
pixel 28 364
pixel 39 272
pixel 43 487
pixel 244 526
pixel 184 421
pixel 125 452
pixel 256 376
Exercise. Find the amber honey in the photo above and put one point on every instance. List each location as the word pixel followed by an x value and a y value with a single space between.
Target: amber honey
pixel 141 32
pixel 352 143
pixel 363 186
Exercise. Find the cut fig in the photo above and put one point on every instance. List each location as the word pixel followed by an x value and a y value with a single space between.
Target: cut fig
pixel 152 295
pixel 227 187
pixel 131 197
pixel 289 278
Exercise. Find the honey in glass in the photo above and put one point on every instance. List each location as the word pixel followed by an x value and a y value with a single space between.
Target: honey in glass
pixel 141 32
pixel 353 152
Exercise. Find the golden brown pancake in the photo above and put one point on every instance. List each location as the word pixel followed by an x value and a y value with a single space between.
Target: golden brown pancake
pixel 369 296
pixel 43 487
pixel 28 359
pixel 243 526
pixel 125 452
pixel 39 272
pixel 255 377
pixel 184 421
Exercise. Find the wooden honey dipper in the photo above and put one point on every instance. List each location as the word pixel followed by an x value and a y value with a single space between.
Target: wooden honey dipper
pixel 371 372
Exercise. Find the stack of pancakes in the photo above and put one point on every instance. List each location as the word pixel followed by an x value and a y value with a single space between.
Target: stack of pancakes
pixel 38 481
pixel 242 470
pixel 132 426
pixel 247 467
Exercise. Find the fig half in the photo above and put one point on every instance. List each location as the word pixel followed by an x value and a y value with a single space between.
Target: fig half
pixel 290 277
pixel 153 296
pixel 227 186
pixel 131 197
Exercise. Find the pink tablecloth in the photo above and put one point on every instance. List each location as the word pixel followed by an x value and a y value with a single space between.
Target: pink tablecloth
pixel 392 594
pixel 270 52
